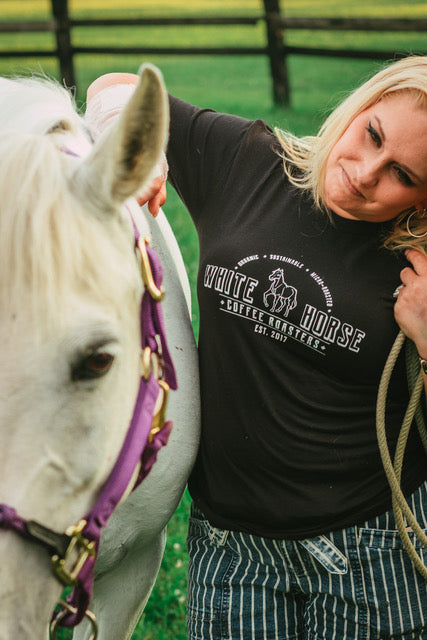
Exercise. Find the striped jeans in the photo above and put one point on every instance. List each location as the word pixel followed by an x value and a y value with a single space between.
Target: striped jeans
pixel 353 584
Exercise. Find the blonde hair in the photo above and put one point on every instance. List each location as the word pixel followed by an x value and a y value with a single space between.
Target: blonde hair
pixel 305 158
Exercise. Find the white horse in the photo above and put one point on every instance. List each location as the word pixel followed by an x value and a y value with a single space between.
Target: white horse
pixel 284 295
pixel 70 292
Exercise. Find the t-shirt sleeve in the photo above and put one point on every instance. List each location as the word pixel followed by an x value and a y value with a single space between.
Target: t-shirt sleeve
pixel 202 149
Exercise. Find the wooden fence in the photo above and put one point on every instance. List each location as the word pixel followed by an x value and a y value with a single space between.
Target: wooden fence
pixel 276 25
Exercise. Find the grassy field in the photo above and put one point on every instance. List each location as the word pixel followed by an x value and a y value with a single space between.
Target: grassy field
pixel 240 85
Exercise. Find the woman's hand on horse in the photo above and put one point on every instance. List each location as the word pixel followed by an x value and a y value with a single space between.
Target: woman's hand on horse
pixel 411 306
pixel 103 110
pixel 154 195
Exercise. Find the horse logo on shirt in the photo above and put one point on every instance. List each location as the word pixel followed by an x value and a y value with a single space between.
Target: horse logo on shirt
pixel 284 296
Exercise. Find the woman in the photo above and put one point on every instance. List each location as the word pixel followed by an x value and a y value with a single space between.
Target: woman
pixel 304 244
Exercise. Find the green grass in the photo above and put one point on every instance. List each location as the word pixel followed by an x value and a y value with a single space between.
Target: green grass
pixel 240 85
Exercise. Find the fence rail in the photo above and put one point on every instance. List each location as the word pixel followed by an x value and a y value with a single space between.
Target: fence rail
pixel 351 24
pixel 36 25
pixel 276 25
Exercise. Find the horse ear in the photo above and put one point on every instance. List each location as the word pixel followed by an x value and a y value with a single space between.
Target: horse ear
pixel 122 160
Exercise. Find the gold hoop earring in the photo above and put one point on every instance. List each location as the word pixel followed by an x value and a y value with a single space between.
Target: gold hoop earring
pixel 411 233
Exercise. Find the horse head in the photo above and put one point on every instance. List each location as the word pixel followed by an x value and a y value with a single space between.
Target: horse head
pixel 276 275
pixel 70 295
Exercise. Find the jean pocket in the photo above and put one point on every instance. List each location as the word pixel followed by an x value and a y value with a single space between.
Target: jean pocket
pixel 396 593
pixel 387 539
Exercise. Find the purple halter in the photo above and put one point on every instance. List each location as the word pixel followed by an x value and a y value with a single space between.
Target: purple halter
pixel 144 438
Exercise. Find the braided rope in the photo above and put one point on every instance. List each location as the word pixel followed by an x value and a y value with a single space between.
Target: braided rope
pixel 393 470
pixel 413 370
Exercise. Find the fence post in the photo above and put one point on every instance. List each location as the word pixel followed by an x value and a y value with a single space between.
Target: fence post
pixel 276 53
pixel 64 49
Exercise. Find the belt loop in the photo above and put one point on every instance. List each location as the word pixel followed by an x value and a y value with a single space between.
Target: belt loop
pixel 217 536
pixel 325 552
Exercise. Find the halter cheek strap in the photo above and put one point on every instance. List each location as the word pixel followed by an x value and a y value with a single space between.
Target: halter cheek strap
pixel 75 550
pixel 138 446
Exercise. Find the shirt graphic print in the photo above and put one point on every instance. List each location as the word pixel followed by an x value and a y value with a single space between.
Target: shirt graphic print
pixel 274 305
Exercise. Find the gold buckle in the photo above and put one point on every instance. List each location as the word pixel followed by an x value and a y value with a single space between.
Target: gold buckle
pixel 159 417
pixel 146 273
pixel 67 608
pixel 150 363
pixel 67 569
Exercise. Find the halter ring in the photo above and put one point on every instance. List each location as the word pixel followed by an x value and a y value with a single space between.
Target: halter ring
pixel 67 608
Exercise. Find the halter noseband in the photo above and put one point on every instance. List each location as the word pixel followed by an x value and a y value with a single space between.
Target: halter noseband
pixel 75 551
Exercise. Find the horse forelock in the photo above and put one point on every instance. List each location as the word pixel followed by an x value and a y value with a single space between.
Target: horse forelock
pixel 34 105
pixel 51 244
pixel 40 105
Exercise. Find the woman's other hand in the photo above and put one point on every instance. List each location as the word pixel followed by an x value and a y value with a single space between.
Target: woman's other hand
pixel 411 305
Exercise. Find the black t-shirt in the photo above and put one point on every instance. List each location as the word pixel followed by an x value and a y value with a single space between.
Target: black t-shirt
pixel 296 321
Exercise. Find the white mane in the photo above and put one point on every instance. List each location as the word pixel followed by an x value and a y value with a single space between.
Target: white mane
pixel 49 243
pixel 35 105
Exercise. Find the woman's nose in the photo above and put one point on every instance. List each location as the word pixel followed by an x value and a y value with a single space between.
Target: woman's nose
pixel 370 171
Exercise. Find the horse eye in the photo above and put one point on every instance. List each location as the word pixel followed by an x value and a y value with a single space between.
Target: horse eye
pixel 62 125
pixel 94 365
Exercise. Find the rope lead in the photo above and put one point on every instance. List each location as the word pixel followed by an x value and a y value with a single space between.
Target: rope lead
pixel 393 470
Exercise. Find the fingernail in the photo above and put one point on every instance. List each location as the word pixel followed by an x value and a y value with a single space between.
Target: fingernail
pixel 396 293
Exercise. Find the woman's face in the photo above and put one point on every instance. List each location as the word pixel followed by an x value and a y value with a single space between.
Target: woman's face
pixel 378 168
